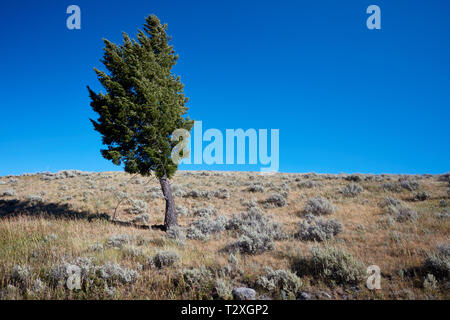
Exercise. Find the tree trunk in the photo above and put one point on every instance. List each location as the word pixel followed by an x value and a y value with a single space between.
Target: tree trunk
pixel 170 219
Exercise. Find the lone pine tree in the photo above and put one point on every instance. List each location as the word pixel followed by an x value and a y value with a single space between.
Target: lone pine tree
pixel 144 103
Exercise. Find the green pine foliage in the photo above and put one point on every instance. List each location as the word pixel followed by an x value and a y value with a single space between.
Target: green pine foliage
pixel 143 104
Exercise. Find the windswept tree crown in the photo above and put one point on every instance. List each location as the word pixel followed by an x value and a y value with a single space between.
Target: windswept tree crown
pixel 144 102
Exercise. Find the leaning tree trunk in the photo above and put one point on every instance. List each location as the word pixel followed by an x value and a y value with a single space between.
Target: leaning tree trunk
pixel 170 219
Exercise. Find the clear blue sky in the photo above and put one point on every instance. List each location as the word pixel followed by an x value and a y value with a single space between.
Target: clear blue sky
pixel 345 98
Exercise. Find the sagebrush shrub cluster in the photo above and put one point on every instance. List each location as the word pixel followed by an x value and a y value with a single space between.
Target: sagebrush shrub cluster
pixel 155 193
pixel 332 265
pixel 20 274
pixel 398 210
pixel 8 193
pixel 223 289
pixel 249 204
pixel 255 220
pixel 177 190
pixel 421 196
pixel 319 206
pixel 275 200
pixel 316 229
pixel 392 187
pixel 113 272
pixel 132 251
pixel 352 190
pixel 177 234
pixel 251 243
pixel 63 174
pixel 283 282
pixel 196 277
pixel 309 184
pixel 198 194
pixel 181 211
pixel 23 282
pixel 137 207
pixel 353 178
pixel 165 259
pixel 438 262
pixel 408 184
pixel 119 240
pixel 37 287
pixel 257 232
pixel 256 187
pixel 231 269
pixel 390 201
pixel 205 212
pixel 204 227
pixel 220 194
pixel 282 189
pixel 58 274
pixel 34 198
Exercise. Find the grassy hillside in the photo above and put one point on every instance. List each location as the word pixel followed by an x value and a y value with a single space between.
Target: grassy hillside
pixel 287 236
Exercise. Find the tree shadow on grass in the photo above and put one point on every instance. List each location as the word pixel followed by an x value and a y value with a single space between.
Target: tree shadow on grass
pixel 17 208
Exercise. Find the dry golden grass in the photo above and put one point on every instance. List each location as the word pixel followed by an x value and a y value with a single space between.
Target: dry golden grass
pixel 369 234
